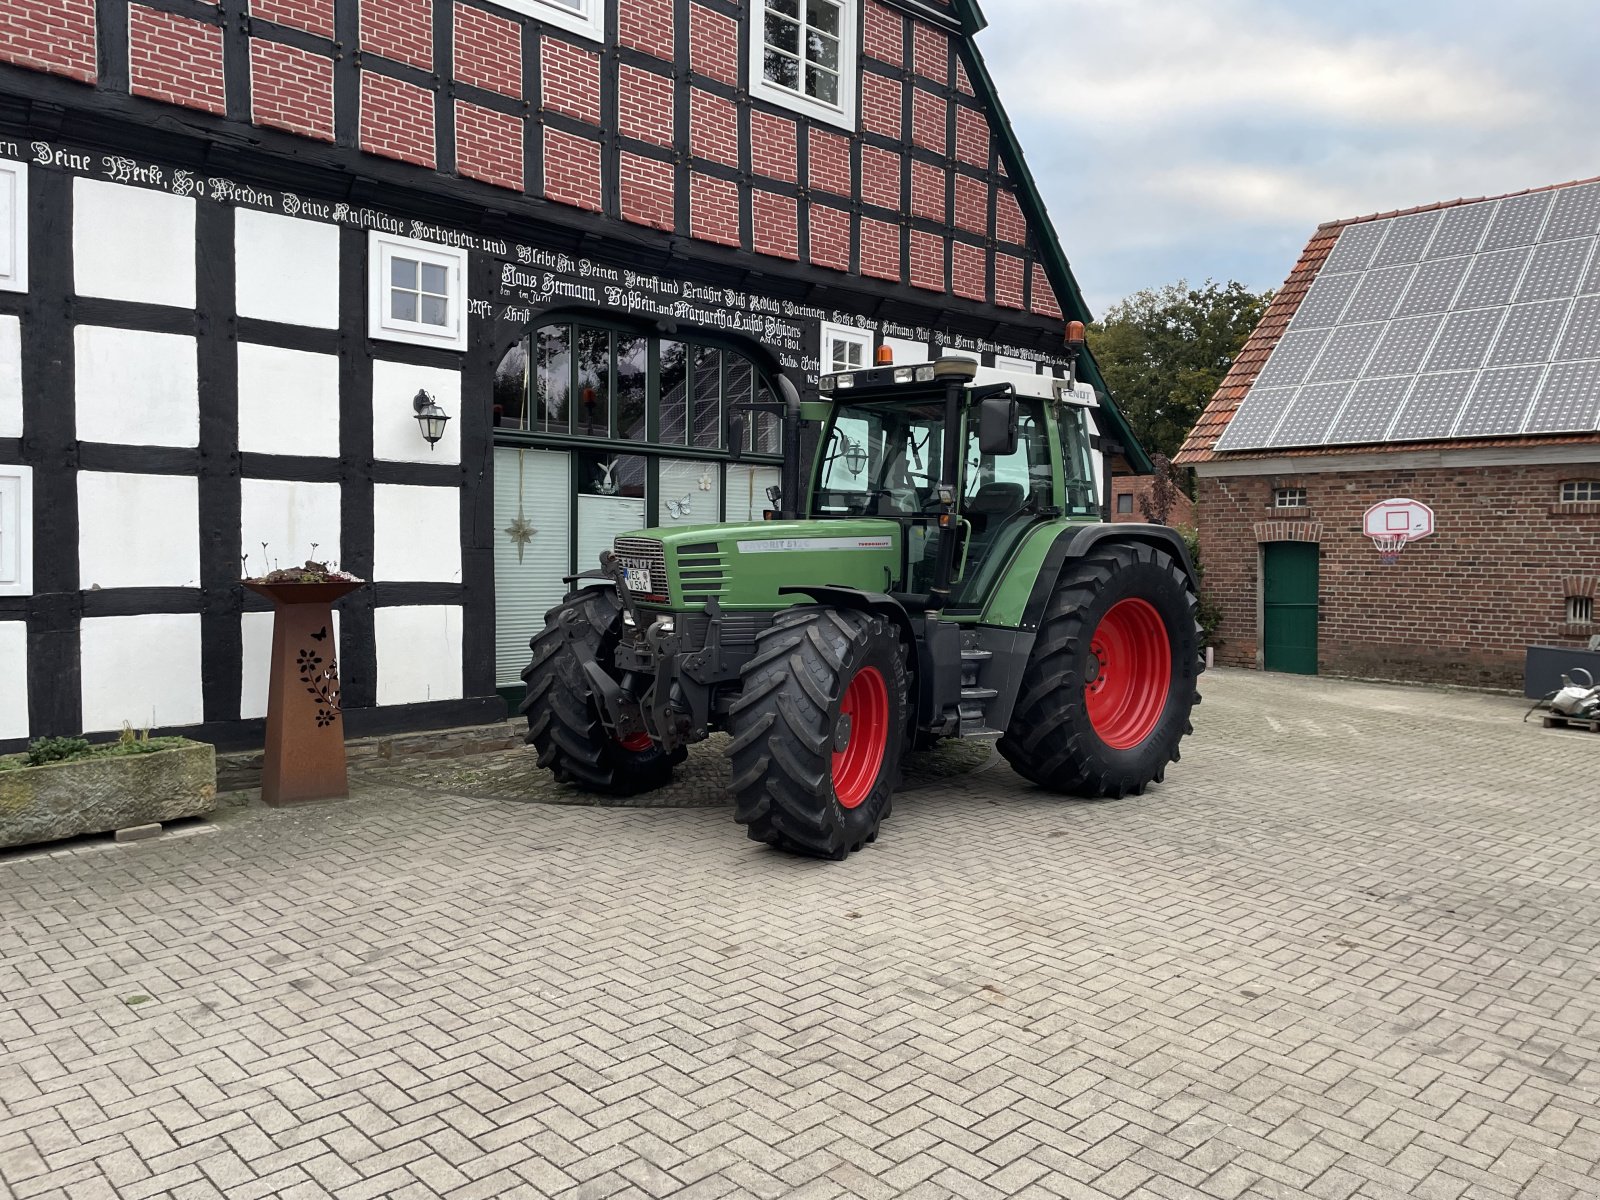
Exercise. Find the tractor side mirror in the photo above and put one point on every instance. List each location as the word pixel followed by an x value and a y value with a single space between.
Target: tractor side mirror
pixel 997 426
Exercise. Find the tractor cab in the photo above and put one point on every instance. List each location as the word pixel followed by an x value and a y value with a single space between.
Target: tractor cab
pixel 958 455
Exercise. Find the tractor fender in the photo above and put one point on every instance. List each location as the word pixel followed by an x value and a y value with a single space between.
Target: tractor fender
pixel 1076 542
pixel 936 650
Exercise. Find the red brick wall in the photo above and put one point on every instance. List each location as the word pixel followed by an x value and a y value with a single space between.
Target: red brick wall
pixel 488 51
pixel 1137 487
pixel 396 119
pixel 314 16
pixel 291 89
pixel 175 59
pixel 399 29
pixel 57 36
pixel 1458 607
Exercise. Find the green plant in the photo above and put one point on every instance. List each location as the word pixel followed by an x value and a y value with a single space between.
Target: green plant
pixel 43 751
pixel 56 749
pixel 1209 613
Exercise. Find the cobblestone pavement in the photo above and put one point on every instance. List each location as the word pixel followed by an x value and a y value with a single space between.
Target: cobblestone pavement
pixel 1348 949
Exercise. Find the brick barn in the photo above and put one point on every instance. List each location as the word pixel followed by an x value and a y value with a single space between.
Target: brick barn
pixel 1448 356
pixel 239 237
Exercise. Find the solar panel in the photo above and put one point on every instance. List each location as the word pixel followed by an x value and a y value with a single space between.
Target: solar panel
pixel 1377 294
pixel 1480 319
pixel 1368 411
pixel 1464 340
pixel 1499 401
pixel 1434 286
pixel 1517 221
pixel 1493 278
pixel 1253 423
pixel 1555 269
pixel 1575 213
pixel 1582 336
pixel 1354 249
pixel 1292 358
pixel 1347 350
pixel 1529 333
pixel 1431 408
pixel 1311 414
pixel 1408 238
pixel 1568 401
pixel 1404 346
pixel 1461 230
pixel 1325 301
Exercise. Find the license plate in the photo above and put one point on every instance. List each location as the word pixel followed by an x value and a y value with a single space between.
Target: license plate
pixel 638 580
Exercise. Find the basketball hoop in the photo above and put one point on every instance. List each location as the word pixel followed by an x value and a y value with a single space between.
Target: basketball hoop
pixel 1389 547
pixel 1392 523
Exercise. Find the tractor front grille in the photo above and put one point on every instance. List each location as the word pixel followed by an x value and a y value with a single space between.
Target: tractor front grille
pixel 649 554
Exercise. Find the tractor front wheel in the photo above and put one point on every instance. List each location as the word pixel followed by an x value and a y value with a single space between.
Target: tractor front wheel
pixel 818 729
pixel 1107 693
pixel 563 722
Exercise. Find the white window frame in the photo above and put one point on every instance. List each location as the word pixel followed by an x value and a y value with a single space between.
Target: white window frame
pixel 1004 362
pixel 1289 497
pixel 842 115
pixel 587 21
pixel 16 531
pixel 15 233
pixel 849 334
pixel 1573 491
pixel 382 248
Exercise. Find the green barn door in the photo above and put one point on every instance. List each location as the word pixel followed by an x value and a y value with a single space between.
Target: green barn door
pixel 1290 595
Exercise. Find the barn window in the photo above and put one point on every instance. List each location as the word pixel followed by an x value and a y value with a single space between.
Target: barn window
pixel 16 524
pixel 1580 610
pixel 1290 497
pixel 13 226
pixel 416 292
pixel 803 56
pixel 1125 502
pixel 584 17
pixel 1580 491
pixel 845 349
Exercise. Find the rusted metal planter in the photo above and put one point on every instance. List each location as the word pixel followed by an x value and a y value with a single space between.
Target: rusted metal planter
pixel 304 758
pixel 97 795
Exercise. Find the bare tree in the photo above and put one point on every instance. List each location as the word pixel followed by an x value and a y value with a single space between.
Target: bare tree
pixel 1159 499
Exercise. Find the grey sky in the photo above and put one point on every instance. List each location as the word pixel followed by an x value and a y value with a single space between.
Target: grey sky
pixel 1175 139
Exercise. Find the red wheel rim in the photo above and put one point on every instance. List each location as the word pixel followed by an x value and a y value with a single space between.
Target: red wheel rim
pixel 857 763
pixel 635 742
pixel 1129 674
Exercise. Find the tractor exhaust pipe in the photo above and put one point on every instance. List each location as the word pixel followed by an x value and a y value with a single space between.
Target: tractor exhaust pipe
pixel 790 477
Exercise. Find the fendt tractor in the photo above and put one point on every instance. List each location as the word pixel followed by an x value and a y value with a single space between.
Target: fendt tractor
pixel 945 574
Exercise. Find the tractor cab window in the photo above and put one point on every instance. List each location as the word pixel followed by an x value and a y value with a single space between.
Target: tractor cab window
pixel 1082 497
pixel 1000 494
pixel 881 460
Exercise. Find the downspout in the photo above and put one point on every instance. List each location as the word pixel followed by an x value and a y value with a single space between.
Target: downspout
pixel 790 480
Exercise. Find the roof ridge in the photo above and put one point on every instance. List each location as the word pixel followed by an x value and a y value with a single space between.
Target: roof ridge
pixel 1443 204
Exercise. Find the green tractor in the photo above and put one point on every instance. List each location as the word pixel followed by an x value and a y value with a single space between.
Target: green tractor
pixel 945 574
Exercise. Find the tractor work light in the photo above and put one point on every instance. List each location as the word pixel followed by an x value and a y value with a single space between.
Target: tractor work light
pixel 904 375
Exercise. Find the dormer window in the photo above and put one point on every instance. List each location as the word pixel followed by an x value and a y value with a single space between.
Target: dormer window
pixel 803 56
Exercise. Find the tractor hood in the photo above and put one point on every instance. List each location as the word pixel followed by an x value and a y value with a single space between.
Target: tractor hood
pixel 743 566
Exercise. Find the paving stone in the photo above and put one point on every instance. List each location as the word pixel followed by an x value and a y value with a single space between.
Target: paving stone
pixel 1349 948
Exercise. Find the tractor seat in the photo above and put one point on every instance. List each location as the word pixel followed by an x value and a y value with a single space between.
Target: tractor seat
pixel 993 503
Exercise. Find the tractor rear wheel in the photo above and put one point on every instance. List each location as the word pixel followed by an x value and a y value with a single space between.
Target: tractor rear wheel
pixel 818 730
pixel 1106 695
pixel 563 722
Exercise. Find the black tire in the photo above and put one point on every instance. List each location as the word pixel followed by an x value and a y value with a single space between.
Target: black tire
pixel 786 725
pixel 1051 739
pixel 563 722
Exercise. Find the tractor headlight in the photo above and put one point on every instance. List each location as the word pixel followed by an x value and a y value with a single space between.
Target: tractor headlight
pixel 665 625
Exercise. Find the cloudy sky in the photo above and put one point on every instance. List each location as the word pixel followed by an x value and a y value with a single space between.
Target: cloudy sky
pixel 1175 139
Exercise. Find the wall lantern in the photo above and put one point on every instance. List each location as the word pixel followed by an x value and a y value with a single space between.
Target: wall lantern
pixel 855 457
pixel 431 419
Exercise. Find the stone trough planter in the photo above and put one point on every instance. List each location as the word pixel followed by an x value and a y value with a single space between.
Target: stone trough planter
pixel 98 795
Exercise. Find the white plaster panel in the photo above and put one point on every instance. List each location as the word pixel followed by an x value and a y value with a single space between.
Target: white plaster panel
pixel 288 401
pixel 256 628
pixel 141 669
pixel 396 436
pixel 286 269
pixel 907 354
pixel 288 518
pixel 416 536
pixel 132 243
pixel 13 679
pixel 138 530
pixel 419 653
pixel 10 377
pixel 136 388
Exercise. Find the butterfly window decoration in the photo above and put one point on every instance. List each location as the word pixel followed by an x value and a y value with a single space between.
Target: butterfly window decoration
pixel 681 509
